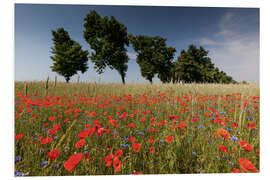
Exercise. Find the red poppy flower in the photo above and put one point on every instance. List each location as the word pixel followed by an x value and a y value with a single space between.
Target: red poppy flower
pixel 237 170
pixel 136 147
pixel 152 149
pixel 150 140
pixel 72 161
pixel 142 119
pixel 46 140
pixel 182 125
pixel 19 136
pixel 251 125
pixel 222 148
pixel 235 125
pixel 80 143
pixel 51 131
pixel 224 133
pixel 83 134
pixel 108 159
pixel 131 125
pixel 131 139
pixel 53 155
pixel 118 153
pixel 52 118
pixel 117 164
pixel 57 127
pixel 169 139
pixel 137 173
pixel 247 165
pixel 245 145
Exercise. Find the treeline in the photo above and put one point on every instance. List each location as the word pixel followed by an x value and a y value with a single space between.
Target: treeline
pixel 108 39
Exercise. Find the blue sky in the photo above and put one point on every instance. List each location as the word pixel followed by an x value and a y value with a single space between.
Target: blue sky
pixel 230 34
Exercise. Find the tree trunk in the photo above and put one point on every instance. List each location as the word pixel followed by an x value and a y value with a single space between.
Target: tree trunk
pixel 151 81
pixel 123 79
pixel 67 79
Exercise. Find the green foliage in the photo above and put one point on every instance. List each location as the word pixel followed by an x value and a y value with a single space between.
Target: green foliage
pixel 154 57
pixel 107 37
pixel 69 58
pixel 194 66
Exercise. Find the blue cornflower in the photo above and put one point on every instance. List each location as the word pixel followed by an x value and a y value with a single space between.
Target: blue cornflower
pixel 230 130
pixel 22 167
pixel 41 150
pixel 234 138
pixel 126 139
pixel 56 165
pixel 55 137
pixel 141 133
pixel 222 112
pixel 24 121
pixel 250 118
pixel 231 163
pixel 201 127
pixel 194 153
pixel 44 163
pixel 85 152
pixel 35 138
pixel 18 159
pixel 161 141
pixel 17 173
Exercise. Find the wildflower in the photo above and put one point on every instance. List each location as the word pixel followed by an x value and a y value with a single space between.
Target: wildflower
pixel 17 159
pixel 56 166
pixel 80 143
pixel 44 163
pixel 224 133
pixel 194 153
pixel 46 140
pixel 141 133
pixel 72 161
pixel 137 173
pixel 117 164
pixel 152 149
pixel 19 136
pixel 222 148
pixel 251 125
pixel 234 138
pixel 108 159
pixel 150 140
pixel 247 165
pixel 245 145
pixel 118 153
pixel 53 155
pixel 136 147
pixel 237 170
pixel 131 139
pixel 169 139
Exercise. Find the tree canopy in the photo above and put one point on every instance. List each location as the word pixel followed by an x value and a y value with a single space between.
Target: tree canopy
pixel 69 58
pixel 194 66
pixel 108 38
pixel 154 57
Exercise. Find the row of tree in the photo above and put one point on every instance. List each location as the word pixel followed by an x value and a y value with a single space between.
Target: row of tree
pixel 108 39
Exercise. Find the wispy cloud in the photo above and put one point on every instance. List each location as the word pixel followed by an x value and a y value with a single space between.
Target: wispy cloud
pixel 235 49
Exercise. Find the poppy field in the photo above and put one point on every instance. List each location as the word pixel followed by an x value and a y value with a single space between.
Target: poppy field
pixel 112 129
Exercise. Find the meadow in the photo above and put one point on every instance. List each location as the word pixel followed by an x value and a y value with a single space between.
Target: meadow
pixel 112 129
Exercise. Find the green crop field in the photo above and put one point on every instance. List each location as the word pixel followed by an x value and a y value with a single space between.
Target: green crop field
pixel 111 129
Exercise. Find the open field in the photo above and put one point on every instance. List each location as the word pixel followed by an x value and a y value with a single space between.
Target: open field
pixel 104 129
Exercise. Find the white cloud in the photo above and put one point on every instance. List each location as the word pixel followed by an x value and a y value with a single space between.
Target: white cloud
pixel 233 51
